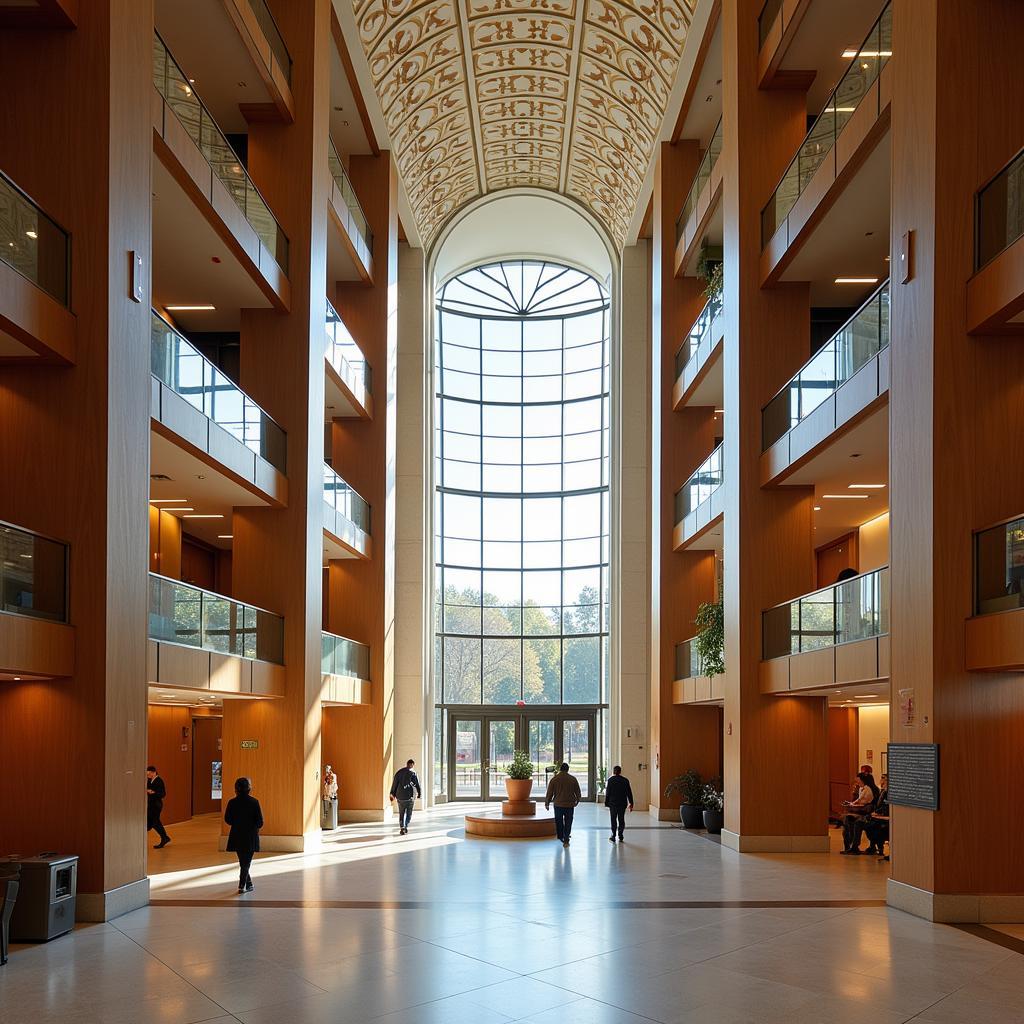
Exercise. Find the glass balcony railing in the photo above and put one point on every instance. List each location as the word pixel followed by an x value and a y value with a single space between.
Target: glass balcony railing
pixel 343 657
pixel 182 614
pixel 341 497
pixel 704 482
pixel 766 19
pixel 33 244
pixel 861 338
pixel 856 609
pixel 342 351
pixel 999 568
pixel 687 660
pixel 864 69
pixel 179 364
pixel 273 36
pixel 999 212
pixel 699 341
pixel 33 575
pixel 348 195
pixel 707 165
pixel 173 84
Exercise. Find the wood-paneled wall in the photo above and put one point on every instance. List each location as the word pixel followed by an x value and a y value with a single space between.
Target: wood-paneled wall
pixel 170 730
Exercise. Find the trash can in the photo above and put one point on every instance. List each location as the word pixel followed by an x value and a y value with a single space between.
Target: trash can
pixel 329 813
pixel 45 907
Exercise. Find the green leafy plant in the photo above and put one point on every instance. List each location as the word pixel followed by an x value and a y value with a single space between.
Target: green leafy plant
pixel 520 767
pixel 689 786
pixel 715 283
pixel 712 797
pixel 710 270
pixel 602 778
pixel 710 638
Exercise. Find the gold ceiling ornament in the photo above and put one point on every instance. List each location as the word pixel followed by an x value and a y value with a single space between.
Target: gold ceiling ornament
pixel 482 95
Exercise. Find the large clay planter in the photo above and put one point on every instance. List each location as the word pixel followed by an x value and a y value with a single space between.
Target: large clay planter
pixel 691 816
pixel 518 789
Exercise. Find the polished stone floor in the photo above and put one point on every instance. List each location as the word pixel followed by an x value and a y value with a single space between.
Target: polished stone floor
pixel 432 927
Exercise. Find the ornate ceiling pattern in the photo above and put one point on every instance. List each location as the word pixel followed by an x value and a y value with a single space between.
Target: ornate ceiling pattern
pixel 482 95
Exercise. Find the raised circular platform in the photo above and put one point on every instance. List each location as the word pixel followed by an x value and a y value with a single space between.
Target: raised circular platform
pixel 523 808
pixel 496 825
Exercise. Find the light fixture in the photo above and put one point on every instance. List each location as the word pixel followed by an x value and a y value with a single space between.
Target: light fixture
pixel 166 501
pixel 846 497
pixel 863 696
pixel 204 515
pixel 866 487
pixel 26 556
pixel 839 280
pixel 31 234
pixel 817 508
pixel 187 509
pixel 198 307
pixel 224 536
pixel 718 412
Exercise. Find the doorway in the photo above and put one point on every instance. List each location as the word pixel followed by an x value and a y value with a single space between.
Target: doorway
pixel 206 765
pixel 481 745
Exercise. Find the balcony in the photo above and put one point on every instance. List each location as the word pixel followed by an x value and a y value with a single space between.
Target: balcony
pixel 698 361
pixel 700 202
pixel 199 640
pixel 852 121
pixel 35 281
pixel 699 505
pixel 353 259
pixel 349 378
pixel 995 633
pixel 346 519
pixel 267 49
pixel 835 636
pixel 345 668
pixel 841 384
pixel 995 294
pixel 35 640
pixel 199 157
pixel 690 685
pixel 194 402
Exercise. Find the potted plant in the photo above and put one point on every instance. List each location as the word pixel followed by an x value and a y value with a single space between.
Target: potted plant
pixel 602 779
pixel 710 638
pixel 711 270
pixel 520 776
pixel 690 787
pixel 714 806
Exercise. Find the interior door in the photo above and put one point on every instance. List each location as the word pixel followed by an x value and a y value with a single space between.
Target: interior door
pixel 465 759
pixel 540 744
pixel 206 765
pixel 498 751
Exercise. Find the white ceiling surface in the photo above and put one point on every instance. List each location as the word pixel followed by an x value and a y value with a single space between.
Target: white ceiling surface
pixel 336 402
pixel 184 246
pixel 340 265
pixel 852 240
pixel 206 490
pixel 190 698
pixel 204 41
pixel 853 694
pixel 706 106
pixel 346 124
pixel 511 224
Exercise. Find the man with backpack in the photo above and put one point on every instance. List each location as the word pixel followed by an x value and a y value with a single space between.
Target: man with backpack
pixel 405 789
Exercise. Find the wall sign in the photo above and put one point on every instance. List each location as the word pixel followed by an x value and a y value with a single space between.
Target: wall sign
pixel 249 744
pixel 914 775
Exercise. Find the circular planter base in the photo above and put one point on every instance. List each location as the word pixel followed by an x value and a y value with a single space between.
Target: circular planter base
pixel 509 826
pixel 525 808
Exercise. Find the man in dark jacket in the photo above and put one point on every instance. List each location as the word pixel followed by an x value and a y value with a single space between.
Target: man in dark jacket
pixel 617 797
pixel 405 789
pixel 155 793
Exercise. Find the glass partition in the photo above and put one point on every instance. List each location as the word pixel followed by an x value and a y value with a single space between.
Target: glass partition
pixel 343 657
pixel 699 338
pixel 702 177
pixel 700 486
pixel 872 56
pixel 273 35
pixel 999 568
pixel 33 575
pixel 861 338
pixel 182 614
pixel 339 495
pixel 32 244
pixel 342 350
pixel 348 194
pixel 176 88
pixel 999 212
pixel 855 609
pixel 687 660
pixel 179 364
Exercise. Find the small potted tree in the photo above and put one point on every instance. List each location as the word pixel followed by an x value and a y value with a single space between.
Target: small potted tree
pixel 714 806
pixel 710 638
pixel 690 787
pixel 520 776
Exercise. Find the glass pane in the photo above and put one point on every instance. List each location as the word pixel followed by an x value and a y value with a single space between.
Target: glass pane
pixel 501 738
pixel 576 750
pixel 466 766
pixel 541 748
pixel 581 663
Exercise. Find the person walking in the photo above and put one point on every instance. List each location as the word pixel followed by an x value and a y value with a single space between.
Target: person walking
pixel 617 797
pixel 564 793
pixel 245 816
pixel 156 792
pixel 405 789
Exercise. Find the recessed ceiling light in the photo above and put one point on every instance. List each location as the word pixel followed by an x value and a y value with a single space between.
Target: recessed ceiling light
pixel 863 696
pixel 17 679
pixel 32 234
pixel 849 53
pixel 817 508
pixel 166 501
pixel 190 309
pixel 224 536
pixel 186 509
pixel 203 515
pixel 847 497
pixel 839 280
pixel 867 487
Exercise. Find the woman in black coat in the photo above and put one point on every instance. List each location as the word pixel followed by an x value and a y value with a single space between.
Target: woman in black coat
pixel 244 816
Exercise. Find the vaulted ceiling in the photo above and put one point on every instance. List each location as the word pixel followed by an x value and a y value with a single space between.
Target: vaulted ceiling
pixel 483 95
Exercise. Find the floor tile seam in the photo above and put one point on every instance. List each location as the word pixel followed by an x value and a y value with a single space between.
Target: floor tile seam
pixel 993 936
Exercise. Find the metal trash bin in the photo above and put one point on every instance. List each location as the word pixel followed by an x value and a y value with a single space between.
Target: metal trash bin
pixel 45 907
pixel 329 814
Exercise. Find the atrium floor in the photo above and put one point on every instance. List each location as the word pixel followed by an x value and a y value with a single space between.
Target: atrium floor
pixel 432 927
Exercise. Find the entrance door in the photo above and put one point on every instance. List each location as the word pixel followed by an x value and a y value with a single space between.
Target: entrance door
pixel 206 765
pixel 466 759
pixel 577 744
pixel 540 744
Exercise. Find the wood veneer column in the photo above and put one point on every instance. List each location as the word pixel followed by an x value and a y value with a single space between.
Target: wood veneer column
pixel 772 744
pixel 681 737
pixel 75 133
pixel 955 415
pixel 277 552
pixel 361 594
